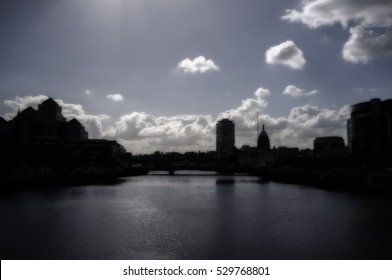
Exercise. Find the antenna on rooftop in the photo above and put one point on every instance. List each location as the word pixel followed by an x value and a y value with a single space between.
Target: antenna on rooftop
pixel 257 113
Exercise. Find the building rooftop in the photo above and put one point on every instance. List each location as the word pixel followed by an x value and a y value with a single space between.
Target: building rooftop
pixel 50 101
pixel 29 110
pixel 75 121
pixel 225 120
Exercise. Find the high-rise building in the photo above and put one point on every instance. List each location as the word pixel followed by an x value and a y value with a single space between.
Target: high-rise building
pixel 369 129
pixel 263 142
pixel 225 138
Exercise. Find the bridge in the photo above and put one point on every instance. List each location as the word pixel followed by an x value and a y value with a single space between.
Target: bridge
pixel 172 170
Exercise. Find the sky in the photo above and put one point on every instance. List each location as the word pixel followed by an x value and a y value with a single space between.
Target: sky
pixel 157 75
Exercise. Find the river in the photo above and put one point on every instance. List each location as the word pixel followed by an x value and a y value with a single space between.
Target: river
pixel 194 215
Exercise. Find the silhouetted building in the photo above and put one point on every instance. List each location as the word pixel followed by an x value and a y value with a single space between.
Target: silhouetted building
pixel 6 151
pixel 247 156
pixel 72 153
pixel 4 128
pixel 263 142
pixel 369 129
pixel 278 155
pixel 43 138
pixel 46 122
pixel 75 130
pixel 332 145
pixel 250 157
pixel 225 138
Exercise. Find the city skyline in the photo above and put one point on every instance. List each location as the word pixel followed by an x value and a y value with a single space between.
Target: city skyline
pixel 157 76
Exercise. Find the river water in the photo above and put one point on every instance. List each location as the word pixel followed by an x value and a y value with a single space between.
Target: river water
pixel 194 215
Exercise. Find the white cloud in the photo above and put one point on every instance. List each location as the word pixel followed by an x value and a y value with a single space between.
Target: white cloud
pixel 245 115
pixel 199 64
pixel 21 103
pixel 293 91
pixel 286 53
pixel 371 35
pixel 262 92
pixel 92 123
pixel 88 92
pixel 298 129
pixel 318 13
pixel 364 44
pixel 312 92
pixel 115 97
pixel 361 90
pixel 141 132
pixel 308 122
pixel 144 133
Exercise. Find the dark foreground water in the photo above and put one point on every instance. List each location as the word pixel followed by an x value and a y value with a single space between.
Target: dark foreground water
pixel 194 217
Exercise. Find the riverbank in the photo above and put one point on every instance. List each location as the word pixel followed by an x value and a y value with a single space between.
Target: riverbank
pixel 33 178
pixel 337 178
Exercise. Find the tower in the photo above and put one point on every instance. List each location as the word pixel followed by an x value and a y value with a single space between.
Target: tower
pixel 225 138
pixel 369 129
pixel 263 142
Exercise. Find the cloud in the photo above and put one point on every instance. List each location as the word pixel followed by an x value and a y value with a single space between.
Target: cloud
pixel 308 122
pixel 21 103
pixel 317 13
pixel 364 44
pixel 245 115
pixel 115 97
pixel 312 92
pixel 140 132
pixel 293 91
pixel 199 64
pixel 361 90
pixel 92 123
pixel 286 53
pixel 298 129
pixel 145 133
pixel 262 92
pixel 88 92
pixel 371 34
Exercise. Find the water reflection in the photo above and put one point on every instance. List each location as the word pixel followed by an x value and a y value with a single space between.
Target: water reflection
pixel 194 217
pixel 225 182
